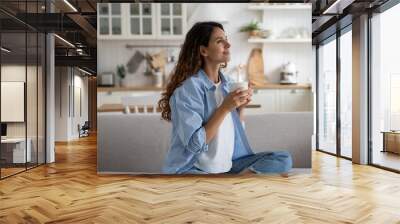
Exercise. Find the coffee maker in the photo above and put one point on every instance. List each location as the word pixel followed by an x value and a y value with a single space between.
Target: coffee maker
pixel 289 74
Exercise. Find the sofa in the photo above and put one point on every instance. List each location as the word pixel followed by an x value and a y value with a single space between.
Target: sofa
pixel 138 143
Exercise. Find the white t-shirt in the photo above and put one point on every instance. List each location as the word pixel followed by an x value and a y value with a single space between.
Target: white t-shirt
pixel 218 158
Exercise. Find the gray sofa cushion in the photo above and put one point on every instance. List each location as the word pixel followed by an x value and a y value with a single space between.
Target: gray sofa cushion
pixel 289 131
pixel 132 143
pixel 138 143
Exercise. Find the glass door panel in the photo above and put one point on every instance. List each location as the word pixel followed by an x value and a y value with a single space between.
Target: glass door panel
pixel 327 97
pixel 346 94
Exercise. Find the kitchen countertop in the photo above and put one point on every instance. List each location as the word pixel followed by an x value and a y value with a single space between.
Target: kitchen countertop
pixel 155 88
pixel 120 108
pixel 284 86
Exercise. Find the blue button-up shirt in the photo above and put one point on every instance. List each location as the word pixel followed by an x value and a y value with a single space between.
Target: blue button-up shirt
pixel 192 104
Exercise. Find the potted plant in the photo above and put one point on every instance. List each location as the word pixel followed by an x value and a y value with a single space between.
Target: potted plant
pixel 121 74
pixel 253 28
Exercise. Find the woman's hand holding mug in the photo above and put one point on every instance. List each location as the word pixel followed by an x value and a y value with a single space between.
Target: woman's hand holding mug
pixel 238 98
pixel 250 92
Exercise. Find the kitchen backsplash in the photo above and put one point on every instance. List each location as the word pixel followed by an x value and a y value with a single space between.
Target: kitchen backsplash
pixel 122 53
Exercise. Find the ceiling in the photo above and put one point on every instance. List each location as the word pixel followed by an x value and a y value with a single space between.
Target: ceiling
pixel 332 15
pixel 77 25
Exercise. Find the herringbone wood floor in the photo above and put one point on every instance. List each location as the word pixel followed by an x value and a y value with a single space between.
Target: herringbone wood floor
pixel 70 191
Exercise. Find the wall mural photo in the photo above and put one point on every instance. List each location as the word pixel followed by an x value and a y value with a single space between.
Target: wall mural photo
pixel 190 88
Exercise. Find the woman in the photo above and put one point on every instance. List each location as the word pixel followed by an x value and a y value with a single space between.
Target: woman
pixel 207 134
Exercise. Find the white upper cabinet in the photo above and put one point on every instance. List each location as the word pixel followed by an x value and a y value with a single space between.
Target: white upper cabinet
pixel 171 20
pixel 109 19
pixel 141 21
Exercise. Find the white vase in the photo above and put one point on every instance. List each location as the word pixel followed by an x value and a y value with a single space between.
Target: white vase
pixel 158 79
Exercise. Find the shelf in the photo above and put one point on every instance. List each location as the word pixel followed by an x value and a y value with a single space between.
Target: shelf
pixel 277 41
pixel 279 7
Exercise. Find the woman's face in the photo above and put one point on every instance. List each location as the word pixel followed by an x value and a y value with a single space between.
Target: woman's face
pixel 218 47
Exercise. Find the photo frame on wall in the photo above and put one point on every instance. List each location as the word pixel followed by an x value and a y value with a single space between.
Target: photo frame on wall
pixel 12 101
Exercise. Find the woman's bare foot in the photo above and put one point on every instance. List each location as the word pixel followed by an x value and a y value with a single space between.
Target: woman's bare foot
pixel 247 171
pixel 284 174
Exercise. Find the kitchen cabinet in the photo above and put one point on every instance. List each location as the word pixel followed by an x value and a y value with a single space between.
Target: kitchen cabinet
pixel 109 98
pixel 294 100
pixel 171 20
pixel 281 100
pixel 267 98
pixel 109 19
pixel 115 97
pixel 141 21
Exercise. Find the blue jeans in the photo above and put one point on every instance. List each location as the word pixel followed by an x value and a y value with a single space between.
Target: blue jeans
pixel 262 163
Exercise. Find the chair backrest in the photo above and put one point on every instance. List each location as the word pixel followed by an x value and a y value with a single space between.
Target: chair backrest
pixel 86 125
pixel 142 100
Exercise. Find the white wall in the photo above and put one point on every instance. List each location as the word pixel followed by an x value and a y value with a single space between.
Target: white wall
pixel 275 55
pixel 61 103
pixel 17 73
pixel 80 83
pixel 111 53
pixel 67 80
pixel 114 52
pixel 240 49
pixel 33 126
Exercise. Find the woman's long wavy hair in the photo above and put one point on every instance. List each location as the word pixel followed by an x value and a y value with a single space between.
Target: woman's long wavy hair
pixel 189 62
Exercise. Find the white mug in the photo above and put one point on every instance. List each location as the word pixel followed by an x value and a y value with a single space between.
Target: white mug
pixel 238 85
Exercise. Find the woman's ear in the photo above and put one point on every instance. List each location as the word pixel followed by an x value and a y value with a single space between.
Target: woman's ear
pixel 203 51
